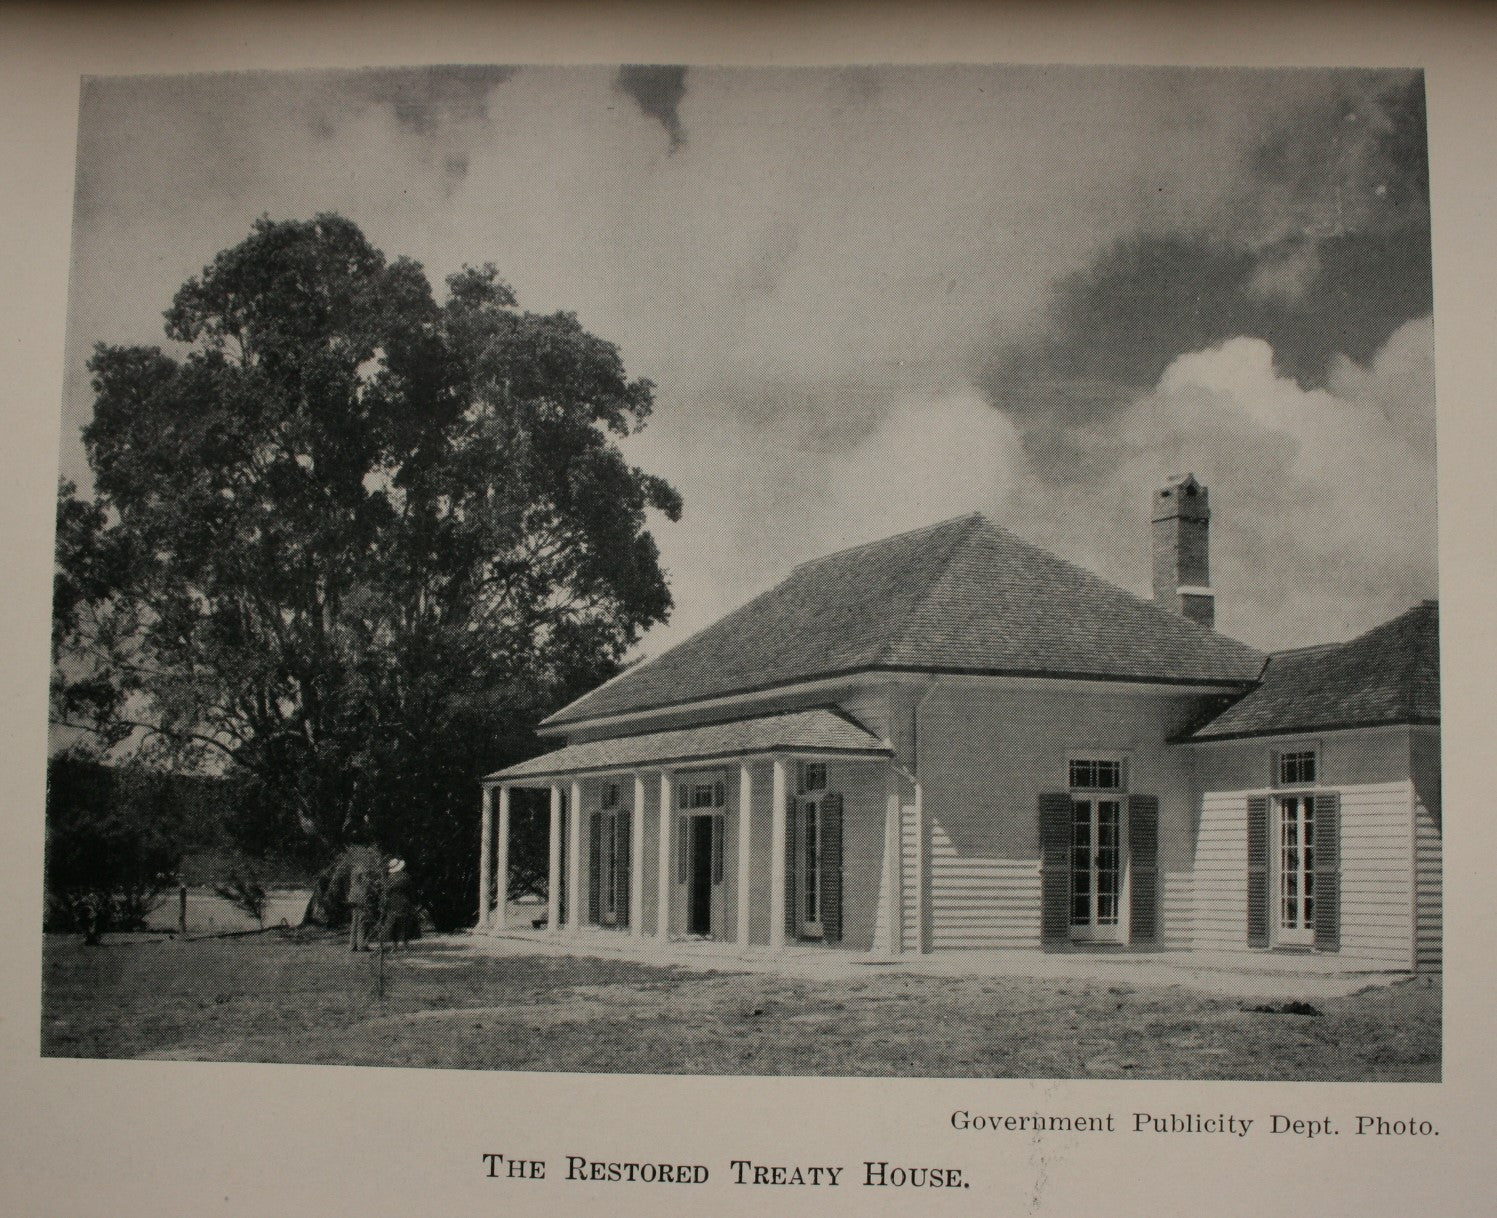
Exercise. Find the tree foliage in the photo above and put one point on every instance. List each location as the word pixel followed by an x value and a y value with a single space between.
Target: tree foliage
pixel 349 544
pixel 114 844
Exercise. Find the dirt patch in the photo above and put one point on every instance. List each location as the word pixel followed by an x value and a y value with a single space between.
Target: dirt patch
pixel 276 1000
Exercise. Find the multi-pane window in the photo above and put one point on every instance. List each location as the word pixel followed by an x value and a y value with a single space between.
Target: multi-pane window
pixel 610 795
pixel 1296 869
pixel 1096 862
pixel 1096 846
pixel 1297 768
pixel 811 867
pixel 812 776
pixel 702 793
pixel 1096 774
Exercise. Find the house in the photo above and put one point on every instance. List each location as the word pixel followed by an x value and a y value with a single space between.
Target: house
pixel 953 739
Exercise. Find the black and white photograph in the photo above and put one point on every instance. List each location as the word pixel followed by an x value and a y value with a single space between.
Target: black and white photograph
pixel 869 570
pixel 583 575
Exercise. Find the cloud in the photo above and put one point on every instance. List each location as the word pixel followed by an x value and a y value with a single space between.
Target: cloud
pixel 1320 247
pixel 1323 500
pixel 657 91
pixel 755 509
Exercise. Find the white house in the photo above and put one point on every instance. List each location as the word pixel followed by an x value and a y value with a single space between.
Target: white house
pixel 954 739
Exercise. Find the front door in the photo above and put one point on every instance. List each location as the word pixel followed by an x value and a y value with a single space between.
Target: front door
pixel 699 882
pixel 1096 870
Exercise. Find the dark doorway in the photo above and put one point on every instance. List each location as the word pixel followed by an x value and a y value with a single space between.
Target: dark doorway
pixel 699 899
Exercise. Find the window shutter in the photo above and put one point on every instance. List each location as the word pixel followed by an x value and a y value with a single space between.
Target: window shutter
pixel 683 848
pixel 1274 772
pixel 792 923
pixel 1143 868
pixel 1257 869
pixel 831 868
pixel 623 824
pixel 1327 822
pixel 1055 867
pixel 717 849
pixel 595 869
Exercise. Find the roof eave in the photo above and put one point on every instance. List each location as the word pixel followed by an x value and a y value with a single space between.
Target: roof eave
pixel 1350 725
pixel 1216 684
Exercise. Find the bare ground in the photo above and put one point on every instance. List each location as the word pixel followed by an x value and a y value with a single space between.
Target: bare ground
pixel 272 999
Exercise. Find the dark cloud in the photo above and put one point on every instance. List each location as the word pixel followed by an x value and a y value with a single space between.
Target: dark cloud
pixel 422 99
pixel 657 90
pixel 1329 256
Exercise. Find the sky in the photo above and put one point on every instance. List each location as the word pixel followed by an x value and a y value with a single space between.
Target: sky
pixel 872 298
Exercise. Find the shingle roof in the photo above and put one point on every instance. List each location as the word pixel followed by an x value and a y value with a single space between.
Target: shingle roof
pixel 961 596
pixel 1390 675
pixel 808 731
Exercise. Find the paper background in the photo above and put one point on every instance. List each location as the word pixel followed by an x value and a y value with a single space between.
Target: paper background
pixel 132 1138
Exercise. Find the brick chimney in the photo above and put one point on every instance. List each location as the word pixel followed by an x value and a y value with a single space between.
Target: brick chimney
pixel 1182 568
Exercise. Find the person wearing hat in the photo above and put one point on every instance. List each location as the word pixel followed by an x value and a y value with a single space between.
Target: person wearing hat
pixel 400 908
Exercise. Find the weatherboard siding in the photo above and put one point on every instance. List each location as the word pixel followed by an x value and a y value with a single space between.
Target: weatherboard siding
pixel 1428 850
pixel 1375 873
pixel 984 756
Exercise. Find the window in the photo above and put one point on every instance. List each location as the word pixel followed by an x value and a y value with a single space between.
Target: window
pixel 1096 774
pixel 1296 769
pixel 1294 870
pixel 706 792
pixel 1097 843
pixel 812 777
pixel 810 869
pixel 610 795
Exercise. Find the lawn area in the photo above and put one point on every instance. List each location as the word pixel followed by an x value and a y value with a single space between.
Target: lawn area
pixel 269 998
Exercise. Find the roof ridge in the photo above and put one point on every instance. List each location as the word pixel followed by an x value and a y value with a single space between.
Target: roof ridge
pixel 896 640
pixel 883 541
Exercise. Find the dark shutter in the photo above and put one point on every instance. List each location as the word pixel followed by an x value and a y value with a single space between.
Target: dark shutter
pixel 792 923
pixel 1327 822
pixel 1055 867
pixel 623 824
pixel 1143 868
pixel 1273 767
pixel 717 849
pixel 683 848
pixel 1257 871
pixel 595 868
pixel 831 868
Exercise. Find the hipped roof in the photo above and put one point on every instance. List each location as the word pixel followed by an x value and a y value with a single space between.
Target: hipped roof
pixel 1388 676
pixel 964 596
pixel 818 731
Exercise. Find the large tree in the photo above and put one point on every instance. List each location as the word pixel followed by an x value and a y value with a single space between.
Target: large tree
pixel 349 543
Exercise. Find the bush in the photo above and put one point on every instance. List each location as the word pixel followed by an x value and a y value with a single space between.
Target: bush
pixel 244 888
pixel 114 845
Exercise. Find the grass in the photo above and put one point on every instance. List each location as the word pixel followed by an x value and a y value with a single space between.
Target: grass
pixel 271 999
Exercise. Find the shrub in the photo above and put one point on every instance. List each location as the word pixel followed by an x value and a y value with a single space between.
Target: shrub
pixel 113 845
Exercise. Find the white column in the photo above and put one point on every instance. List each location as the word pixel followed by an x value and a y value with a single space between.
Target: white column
pixel 777 857
pixel 745 811
pixel 893 872
pixel 918 896
pixel 576 897
pixel 663 884
pixel 501 865
pixel 485 849
pixel 637 860
pixel 553 871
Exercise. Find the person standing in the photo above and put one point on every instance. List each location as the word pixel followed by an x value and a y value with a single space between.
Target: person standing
pixel 363 895
pixel 400 907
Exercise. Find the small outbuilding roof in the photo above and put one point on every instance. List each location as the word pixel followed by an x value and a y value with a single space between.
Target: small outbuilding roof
pixel 964 596
pixel 818 732
pixel 1390 675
